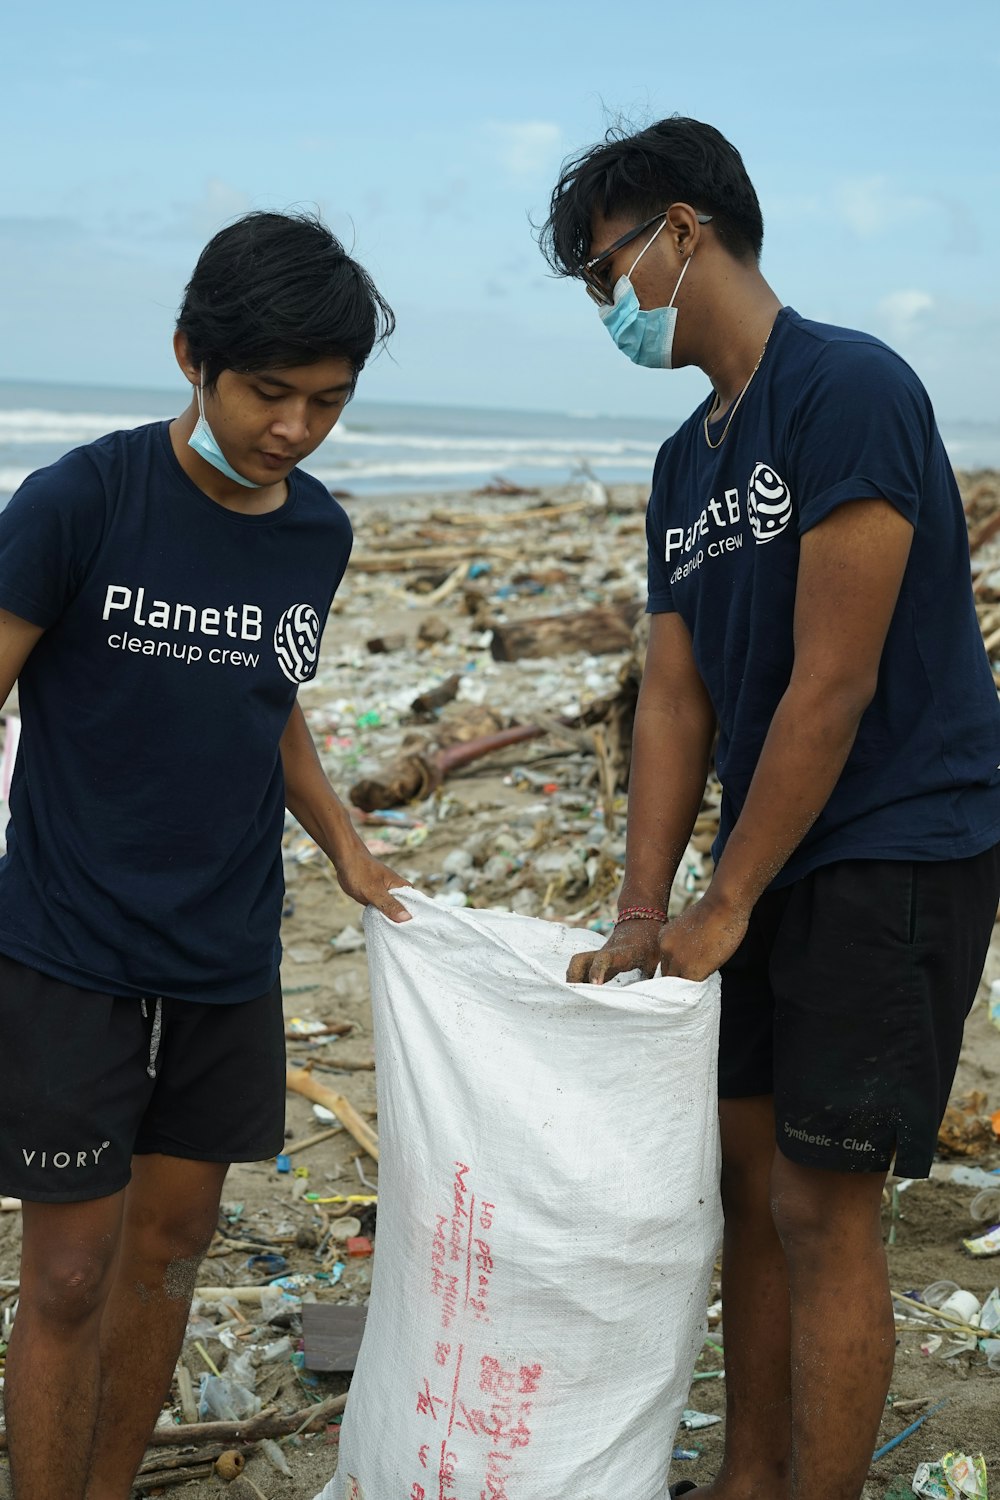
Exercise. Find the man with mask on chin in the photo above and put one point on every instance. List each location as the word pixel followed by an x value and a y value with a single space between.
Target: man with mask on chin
pixel 812 618
pixel 163 592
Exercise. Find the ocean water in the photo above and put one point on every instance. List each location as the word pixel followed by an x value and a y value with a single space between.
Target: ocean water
pixel 376 448
pixel 382 448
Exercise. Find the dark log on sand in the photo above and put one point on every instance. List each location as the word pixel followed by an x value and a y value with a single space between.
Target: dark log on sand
pixel 594 632
pixel 419 771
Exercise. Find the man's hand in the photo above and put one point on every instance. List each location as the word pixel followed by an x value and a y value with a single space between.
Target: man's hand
pixel 701 939
pixel 371 883
pixel 633 945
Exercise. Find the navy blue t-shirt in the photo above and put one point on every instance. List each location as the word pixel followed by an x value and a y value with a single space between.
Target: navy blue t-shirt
pixel 144 848
pixel 833 416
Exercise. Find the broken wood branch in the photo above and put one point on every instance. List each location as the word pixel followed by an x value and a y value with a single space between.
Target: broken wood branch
pixel 422 557
pixel 301 1081
pixel 437 697
pixel 267 1424
pixel 418 772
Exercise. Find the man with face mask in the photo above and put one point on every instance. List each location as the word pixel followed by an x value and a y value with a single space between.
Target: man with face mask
pixel 812 617
pixel 163 593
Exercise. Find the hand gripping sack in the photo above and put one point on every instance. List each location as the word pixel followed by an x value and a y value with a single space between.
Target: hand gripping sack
pixel 548 1217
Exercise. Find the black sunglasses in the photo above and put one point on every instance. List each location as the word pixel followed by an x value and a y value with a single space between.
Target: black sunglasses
pixel 590 274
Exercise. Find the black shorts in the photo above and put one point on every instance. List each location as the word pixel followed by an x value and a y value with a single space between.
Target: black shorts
pixel 90 1080
pixel 847 999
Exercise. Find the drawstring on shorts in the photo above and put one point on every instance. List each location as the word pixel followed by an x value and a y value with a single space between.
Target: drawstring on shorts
pixel 154 1035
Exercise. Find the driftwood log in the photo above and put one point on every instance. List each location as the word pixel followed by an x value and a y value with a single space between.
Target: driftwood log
pixel 596 632
pixel 301 1081
pixel 267 1424
pixel 419 770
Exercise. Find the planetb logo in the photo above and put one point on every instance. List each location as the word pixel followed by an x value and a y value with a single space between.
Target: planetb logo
pixel 296 642
pixel 769 503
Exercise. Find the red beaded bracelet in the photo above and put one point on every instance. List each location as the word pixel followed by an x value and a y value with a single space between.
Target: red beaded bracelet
pixel 640 913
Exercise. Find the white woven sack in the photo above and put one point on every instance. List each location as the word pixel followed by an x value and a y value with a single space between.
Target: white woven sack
pixel 548 1217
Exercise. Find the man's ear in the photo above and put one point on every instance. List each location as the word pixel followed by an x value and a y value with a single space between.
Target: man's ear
pixel 683 228
pixel 182 354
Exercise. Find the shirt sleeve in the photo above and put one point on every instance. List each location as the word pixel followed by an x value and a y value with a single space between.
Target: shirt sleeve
pixel 660 599
pixel 50 531
pixel 861 429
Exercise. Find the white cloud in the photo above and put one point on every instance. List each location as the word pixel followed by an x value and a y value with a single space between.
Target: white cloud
pixel 525 148
pixel 900 311
pixel 871 205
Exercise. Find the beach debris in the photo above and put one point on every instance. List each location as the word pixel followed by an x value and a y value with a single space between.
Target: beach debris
pixel 301 1081
pixel 597 632
pixel 993 1003
pixel 984 1244
pixel 229 1464
pixel 985 1206
pixel 298 1029
pixel 382 644
pixel 434 698
pixel 417 772
pixel 432 631
pixel 901 1437
pixel 332 1335
pixel 693 1420
pixel 498 485
pixel 964 1130
pixel 955 1476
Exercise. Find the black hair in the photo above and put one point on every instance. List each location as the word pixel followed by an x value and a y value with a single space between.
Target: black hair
pixel 277 290
pixel 634 173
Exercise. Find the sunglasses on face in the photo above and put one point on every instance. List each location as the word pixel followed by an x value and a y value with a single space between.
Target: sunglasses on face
pixel 594 272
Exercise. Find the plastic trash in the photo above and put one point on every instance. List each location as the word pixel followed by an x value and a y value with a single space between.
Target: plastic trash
pixel 342 1230
pixel 961 1304
pixel 275 1457
pixel 938 1292
pixel 989 1317
pixel 985 1244
pixel 985 1206
pixel 993 1003
pixel 223 1399
pixel 692 1420
pixel 267 1264
pixel 956 1476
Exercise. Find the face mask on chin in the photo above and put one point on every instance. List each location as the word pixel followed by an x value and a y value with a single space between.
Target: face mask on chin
pixel 204 443
pixel 647 337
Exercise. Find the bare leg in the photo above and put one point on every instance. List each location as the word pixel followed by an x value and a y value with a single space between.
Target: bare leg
pixel 756 1312
pixel 53 1363
pixel 171 1210
pixel 843 1335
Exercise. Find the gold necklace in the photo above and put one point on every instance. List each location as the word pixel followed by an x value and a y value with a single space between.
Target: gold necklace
pixel 733 409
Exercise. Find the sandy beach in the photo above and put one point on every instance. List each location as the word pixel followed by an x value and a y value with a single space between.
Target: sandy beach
pixel 537 827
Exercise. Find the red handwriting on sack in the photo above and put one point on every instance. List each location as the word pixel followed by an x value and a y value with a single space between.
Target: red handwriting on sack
pixel 474 1453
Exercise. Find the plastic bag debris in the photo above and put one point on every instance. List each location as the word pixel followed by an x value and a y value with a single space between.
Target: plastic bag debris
pixel 223 1399
pixel 956 1476
pixel 985 1244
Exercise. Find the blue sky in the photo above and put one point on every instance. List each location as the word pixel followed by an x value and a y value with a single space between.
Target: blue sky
pixel 427 131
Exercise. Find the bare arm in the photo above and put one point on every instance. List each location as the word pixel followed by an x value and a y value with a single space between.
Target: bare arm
pixel 671 742
pixel 311 799
pixel 18 639
pixel 851 567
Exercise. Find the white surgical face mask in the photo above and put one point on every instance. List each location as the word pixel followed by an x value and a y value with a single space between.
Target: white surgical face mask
pixel 204 443
pixel 647 337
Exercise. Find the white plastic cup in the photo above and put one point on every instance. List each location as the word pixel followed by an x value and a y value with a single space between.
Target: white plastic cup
pixel 961 1304
pixel 985 1206
pixel 938 1292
